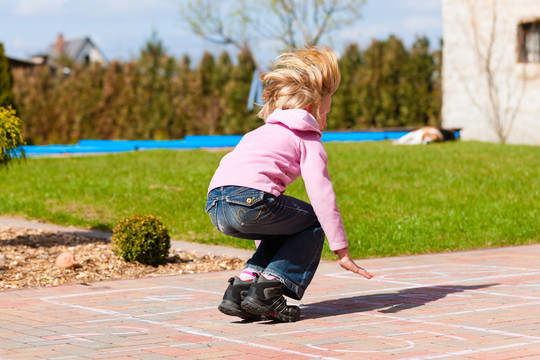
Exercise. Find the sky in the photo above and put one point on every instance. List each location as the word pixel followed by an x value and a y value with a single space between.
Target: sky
pixel 120 28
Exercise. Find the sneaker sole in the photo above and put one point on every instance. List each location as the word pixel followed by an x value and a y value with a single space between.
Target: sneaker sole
pixel 230 308
pixel 254 306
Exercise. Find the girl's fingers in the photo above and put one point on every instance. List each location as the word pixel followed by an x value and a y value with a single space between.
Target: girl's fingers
pixel 364 273
pixel 351 266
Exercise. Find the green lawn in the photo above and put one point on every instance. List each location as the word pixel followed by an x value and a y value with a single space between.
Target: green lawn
pixel 394 199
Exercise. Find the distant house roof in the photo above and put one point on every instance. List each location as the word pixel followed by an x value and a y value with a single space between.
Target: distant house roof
pixel 18 63
pixel 81 51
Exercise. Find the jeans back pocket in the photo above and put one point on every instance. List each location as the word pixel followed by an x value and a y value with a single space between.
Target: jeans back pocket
pixel 249 207
pixel 248 198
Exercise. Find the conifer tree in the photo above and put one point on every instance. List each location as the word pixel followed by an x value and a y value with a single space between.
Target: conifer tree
pixel 206 102
pixel 346 105
pixel 382 90
pixel 112 109
pixel 224 69
pixel 184 100
pixel 7 97
pixel 153 107
pixel 420 85
pixel 240 119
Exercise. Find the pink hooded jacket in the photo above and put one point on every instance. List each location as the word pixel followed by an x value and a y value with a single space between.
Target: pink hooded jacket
pixel 274 155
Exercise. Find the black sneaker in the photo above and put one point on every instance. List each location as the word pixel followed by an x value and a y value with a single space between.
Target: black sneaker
pixel 235 293
pixel 265 298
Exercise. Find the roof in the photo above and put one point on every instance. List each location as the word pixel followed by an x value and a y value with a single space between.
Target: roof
pixel 13 62
pixel 74 49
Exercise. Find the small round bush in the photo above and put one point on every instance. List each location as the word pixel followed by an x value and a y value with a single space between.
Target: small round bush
pixel 11 138
pixel 141 238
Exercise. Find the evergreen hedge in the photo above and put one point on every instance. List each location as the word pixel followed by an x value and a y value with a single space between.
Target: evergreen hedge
pixel 158 96
pixel 7 97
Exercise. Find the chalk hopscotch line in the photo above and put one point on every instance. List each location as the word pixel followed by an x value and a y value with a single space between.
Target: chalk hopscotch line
pixel 104 292
pixel 176 327
pixel 477 310
pixel 472 351
pixel 440 271
pixel 409 344
pixel 442 274
pixel 455 326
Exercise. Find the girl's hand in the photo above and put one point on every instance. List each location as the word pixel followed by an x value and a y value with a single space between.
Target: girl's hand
pixel 347 263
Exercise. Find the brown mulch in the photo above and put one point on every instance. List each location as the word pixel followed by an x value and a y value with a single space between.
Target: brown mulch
pixel 28 259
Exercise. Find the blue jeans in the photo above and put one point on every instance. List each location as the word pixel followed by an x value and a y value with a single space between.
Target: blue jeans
pixel 291 236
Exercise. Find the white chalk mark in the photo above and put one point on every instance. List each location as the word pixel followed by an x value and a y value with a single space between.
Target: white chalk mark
pixel 408 347
pixel 104 292
pixel 457 326
pixel 477 310
pixel 472 351
pixel 165 298
pixel 428 332
pixel 192 331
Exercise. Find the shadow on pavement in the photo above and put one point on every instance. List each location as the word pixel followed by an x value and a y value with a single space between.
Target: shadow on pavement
pixel 385 303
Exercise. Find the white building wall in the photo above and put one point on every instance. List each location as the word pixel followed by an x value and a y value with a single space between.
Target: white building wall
pixel 96 56
pixel 473 49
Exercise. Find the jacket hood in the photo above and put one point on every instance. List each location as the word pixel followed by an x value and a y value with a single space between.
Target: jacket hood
pixel 294 119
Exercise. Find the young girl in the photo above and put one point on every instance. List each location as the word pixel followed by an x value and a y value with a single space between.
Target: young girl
pixel 246 200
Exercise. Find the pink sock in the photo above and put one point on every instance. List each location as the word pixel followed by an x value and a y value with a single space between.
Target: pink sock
pixel 269 277
pixel 246 275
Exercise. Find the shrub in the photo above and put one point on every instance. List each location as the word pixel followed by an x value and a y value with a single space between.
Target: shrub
pixel 10 135
pixel 141 238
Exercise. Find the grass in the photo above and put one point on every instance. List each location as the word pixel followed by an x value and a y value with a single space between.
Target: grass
pixel 394 200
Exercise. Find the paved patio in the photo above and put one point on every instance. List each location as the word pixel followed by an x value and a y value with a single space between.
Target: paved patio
pixel 481 304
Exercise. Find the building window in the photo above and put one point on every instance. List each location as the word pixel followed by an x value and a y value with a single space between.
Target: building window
pixel 529 42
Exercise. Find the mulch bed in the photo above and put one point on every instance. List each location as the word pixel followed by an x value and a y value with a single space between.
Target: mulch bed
pixel 28 259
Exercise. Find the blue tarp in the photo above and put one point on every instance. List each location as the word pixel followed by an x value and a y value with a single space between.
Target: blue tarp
pixel 112 146
pixel 362 136
pixel 189 142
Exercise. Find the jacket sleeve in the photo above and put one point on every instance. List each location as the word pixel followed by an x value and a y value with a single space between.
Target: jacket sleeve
pixel 313 167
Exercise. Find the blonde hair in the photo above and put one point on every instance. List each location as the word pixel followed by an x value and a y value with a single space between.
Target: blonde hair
pixel 300 79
